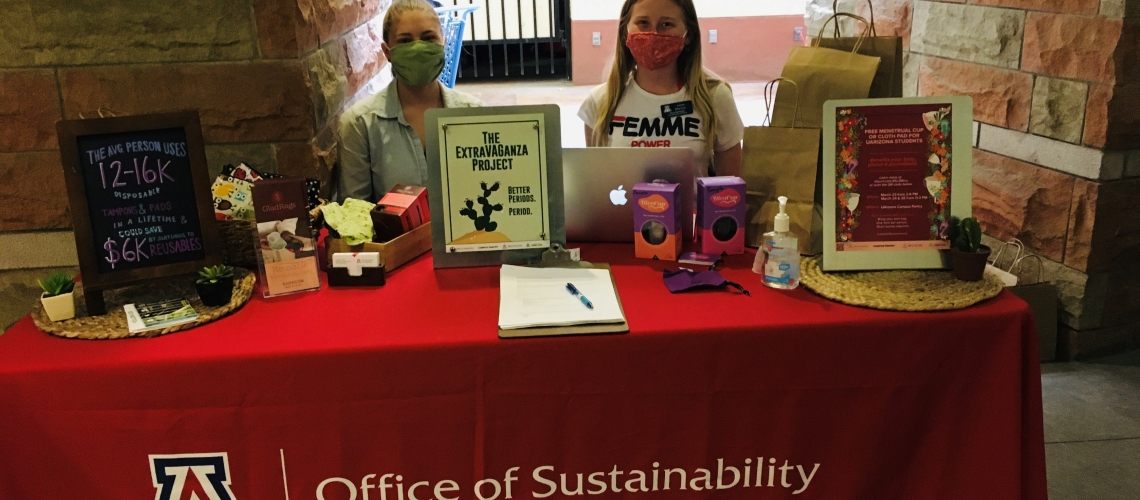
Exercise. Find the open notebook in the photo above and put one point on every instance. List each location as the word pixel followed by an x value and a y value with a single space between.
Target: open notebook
pixel 537 297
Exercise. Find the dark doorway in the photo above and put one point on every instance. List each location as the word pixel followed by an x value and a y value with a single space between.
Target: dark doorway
pixel 515 40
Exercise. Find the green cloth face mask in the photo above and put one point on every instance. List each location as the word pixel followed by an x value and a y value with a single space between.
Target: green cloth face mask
pixel 417 63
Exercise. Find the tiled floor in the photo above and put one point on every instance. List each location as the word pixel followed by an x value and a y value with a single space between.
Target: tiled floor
pixel 1092 428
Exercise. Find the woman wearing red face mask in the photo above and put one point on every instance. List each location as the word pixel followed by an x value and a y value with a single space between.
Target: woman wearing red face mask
pixel 658 94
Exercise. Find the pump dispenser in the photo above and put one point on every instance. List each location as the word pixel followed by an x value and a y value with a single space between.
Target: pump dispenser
pixel 783 222
pixel 778 261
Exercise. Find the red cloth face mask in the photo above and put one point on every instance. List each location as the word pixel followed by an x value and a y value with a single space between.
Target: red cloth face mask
pixel 653 51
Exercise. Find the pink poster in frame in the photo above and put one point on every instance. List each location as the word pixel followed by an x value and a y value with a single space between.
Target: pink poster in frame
pixel 895 172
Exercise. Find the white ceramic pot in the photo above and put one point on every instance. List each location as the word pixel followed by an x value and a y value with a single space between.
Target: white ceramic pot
pixel 60 307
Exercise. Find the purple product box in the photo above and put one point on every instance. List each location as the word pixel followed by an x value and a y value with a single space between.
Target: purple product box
pixel 656 221
pixel 720 215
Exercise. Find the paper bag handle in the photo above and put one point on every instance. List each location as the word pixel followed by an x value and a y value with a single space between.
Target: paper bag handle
pixel 1040 267
pixel 770 100
pixel 1015 243
pixel 103 113
pixel 870 8
pixel 835 17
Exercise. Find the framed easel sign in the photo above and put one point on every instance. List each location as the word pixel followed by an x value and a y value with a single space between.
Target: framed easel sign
pixel 496 184
pixel 895 171
pixel 140 199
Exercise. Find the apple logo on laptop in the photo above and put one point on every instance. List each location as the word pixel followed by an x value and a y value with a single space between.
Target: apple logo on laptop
pixel 617 196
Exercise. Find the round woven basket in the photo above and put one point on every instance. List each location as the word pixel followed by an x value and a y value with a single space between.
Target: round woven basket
pixel 113 325
pixel 238 238
pixel 898 290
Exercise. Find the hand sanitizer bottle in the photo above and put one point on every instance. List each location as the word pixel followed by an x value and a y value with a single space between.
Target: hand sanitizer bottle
pixel 778 261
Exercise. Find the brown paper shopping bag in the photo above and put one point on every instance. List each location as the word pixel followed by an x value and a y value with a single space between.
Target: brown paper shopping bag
pixel 781 161
pixel 889 50
pixel 1041 295
pixel 823 74
pixel 1042 298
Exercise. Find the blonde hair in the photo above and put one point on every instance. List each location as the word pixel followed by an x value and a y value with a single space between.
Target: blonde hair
pixel 401 7
pixel 692 72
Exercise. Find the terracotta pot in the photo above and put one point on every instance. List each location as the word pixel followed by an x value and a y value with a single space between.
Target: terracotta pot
pixel 59 307
pixel 969 266
pixel 216 294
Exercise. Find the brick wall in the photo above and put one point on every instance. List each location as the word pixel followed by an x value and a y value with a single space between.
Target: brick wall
pixel 1056 89
pixel 268 77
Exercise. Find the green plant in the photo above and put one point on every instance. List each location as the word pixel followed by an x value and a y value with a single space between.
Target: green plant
pixel 215 273
pixel 966 235
pixel 57 284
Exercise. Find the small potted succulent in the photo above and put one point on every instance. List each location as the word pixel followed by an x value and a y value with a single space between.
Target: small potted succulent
pixel 968 254
pixel 215 285
pixel 57 297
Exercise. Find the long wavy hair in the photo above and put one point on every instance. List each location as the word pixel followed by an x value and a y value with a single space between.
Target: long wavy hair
pixel 699 81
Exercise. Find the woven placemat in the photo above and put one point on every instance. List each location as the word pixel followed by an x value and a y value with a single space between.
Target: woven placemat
pixel 898 290
pixel 113 325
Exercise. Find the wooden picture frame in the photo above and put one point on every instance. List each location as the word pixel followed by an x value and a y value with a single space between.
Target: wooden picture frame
pixel 121 130
pixel 945 194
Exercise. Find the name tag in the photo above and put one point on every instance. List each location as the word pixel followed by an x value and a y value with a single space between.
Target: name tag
pixel 677 109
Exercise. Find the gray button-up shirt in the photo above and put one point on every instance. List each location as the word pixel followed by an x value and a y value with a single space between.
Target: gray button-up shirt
pixel 378 149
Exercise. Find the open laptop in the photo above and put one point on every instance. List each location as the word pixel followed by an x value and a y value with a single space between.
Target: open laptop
pixel 597 182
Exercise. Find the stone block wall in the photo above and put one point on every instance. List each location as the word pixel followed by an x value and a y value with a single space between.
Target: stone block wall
pixel 268 77
pixel 1056 89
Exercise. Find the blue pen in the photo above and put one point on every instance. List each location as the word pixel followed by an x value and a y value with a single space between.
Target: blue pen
pixel 574 291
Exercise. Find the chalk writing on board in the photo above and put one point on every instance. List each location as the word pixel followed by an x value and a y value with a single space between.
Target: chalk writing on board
pixel 141 199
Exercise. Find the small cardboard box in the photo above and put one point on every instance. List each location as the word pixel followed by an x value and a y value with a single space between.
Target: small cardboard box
pixel 394 253
pixel 720 215
pixel 656 221
pixel 402 209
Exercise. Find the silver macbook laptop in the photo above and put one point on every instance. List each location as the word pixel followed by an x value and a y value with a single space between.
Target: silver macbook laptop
pixel 597 182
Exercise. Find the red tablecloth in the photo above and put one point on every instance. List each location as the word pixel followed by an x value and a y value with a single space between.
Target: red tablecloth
pixel 409 383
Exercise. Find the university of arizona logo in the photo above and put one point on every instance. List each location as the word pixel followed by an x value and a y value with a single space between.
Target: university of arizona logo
pixel 191 476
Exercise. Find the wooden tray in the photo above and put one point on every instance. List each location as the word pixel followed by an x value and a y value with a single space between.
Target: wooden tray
pixel 394 253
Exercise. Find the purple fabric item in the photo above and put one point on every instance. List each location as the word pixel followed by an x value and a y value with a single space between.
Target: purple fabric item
pixel 685 279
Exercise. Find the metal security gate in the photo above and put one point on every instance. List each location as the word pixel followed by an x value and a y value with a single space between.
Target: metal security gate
pixel 515 40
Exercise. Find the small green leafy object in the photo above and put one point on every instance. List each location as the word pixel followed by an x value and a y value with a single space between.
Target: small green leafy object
pixel 215 273
pixel 57 284
pixel 966 235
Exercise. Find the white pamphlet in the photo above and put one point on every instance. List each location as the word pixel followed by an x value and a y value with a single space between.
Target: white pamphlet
pixel 534 297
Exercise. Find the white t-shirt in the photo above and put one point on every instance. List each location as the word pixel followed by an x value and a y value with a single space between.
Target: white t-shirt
pixel 644 120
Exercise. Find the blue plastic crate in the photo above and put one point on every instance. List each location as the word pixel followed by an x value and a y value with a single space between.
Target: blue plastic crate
pixel 454 21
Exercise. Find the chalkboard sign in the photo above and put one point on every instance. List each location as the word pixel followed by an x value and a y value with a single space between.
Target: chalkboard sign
pixel 140 201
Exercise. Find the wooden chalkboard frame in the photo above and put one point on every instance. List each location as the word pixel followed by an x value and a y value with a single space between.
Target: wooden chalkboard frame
pixel 94 281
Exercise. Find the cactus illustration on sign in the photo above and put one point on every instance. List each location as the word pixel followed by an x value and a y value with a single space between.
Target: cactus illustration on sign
pixel 481 215
pixel 483 222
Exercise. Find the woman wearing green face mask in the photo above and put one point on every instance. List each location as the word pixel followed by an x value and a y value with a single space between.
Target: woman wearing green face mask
pixel 382 136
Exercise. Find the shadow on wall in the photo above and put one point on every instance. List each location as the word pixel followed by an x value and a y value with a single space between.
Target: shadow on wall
pixel 19 291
